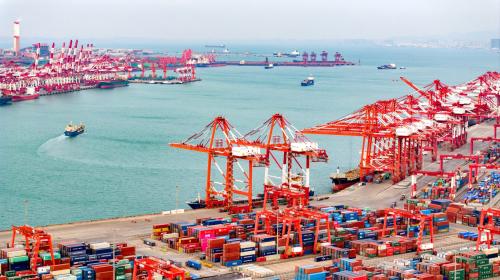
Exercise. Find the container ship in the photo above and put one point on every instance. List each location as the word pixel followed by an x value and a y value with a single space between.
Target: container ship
pixel 344 180
pixel 112 84
pixel 72 130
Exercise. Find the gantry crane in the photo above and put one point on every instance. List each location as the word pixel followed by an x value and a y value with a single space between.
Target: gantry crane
pixel 439 174
pixel 288 152
pixel 487 227
pixel 392 132
pixel 481 139
pixel 35 240
pixel 421 218
pixel 152 265
pixel 443 157
pixel 474 170
pixel 219 140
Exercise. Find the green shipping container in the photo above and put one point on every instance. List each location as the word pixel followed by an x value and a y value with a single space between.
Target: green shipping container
pixel 18 259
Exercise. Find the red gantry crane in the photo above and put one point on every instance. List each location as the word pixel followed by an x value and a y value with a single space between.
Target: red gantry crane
pixel 145 268
pixel 289 153
pixel 35 240
pixel 421 218
pixel 392 132
pixel 486 227
pixel 220 141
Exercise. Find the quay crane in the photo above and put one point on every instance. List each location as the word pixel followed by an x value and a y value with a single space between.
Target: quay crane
pixel 220 141
pixel 288 152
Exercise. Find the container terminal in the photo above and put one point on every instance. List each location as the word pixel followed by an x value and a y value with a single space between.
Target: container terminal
pixel 426 206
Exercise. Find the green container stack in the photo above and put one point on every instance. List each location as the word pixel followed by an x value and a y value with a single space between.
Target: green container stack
pixel 485 271
pixel 18 259
pixel 458 274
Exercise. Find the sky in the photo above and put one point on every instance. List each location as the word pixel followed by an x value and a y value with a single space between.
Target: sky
pixel 246 20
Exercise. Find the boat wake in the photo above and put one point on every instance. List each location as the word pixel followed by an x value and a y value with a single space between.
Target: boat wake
pixel 50 145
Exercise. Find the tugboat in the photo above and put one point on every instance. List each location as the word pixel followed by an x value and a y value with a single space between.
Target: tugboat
pixel 309 81
pixel 74 130
pixel 341 181
pixel 197 203
pixel 269 66
pixel 5 99
pixel 387 66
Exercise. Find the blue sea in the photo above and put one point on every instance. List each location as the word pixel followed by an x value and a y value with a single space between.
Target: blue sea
pixel 123 165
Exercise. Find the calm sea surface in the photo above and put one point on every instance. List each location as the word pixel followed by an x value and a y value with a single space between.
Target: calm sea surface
pixel 122 165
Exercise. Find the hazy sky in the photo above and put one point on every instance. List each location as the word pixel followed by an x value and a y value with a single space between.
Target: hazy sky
pixel 222 20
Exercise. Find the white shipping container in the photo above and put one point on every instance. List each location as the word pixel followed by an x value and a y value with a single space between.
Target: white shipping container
pixel 61 272
pixel 170 235
pixel 248 253
pixel 242 151
pixel 247 244
pixel 43 269
pixel 100 245
pixel 268 244
pixel 16 253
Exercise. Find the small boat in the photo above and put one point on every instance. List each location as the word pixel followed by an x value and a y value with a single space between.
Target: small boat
pixel 269 66
pixel 294 53
pixel 387 66
pixel 402 67
pixel 309 81
pixel 344 180
pixel 74 130
pixel 197 203
pixel 5 99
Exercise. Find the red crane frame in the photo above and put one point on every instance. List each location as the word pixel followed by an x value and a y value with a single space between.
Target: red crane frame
pixel 154 265
pixel 481 139
pixel 36 236
pixel 489 229
pixel 441 174
pixel 395 212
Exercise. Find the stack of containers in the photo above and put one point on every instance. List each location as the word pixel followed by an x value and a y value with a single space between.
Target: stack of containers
pixel 101 250
pixel 310 272
pixel 159 230
pixel 266 244
pixel 441 223
pixel 307 242
pixel 103 271
pixel 214 249
pixel 231 254
pixel 75 250
pixel 248 252
pixel 17 259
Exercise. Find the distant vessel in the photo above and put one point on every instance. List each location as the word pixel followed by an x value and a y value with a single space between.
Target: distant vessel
pixel 29 95
pixel 72 130
pixel 226 50
pixel 197 203
pixel 344 180
pixel 112 84
pixel 388 66
pixel 5 99
pixel 294 53
pixel 278 54
pixel 269 66
pixel 215 46
pixel 309 81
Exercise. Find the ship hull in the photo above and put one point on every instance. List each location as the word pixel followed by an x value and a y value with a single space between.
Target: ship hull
pixel 24 97
pixel 5 100
pixel 307 83
pixel 112 84
pixel 338 186
pixel 196 204
pixel 73 133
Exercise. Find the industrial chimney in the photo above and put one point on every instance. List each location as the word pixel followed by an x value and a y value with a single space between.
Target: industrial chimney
pixel 17 37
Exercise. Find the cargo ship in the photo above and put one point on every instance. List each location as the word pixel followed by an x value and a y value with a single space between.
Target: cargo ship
pixel 344 180
pixel 308 82
pixel 200 203
pixel 112 84
pixel 72 130
pixel 5 99
pixel 29 95
pixel 388 66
